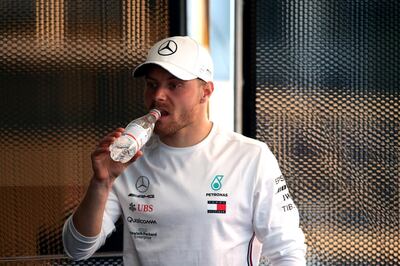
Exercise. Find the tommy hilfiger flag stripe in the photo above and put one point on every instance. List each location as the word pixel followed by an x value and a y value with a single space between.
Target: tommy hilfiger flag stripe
pixel 216 206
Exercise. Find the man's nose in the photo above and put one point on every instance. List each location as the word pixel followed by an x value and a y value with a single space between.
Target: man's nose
pixel 160 94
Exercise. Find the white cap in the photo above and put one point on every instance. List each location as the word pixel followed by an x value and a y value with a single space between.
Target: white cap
pixel 182 56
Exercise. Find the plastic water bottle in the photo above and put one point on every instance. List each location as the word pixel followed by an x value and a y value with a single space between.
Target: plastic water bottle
pixel 136 134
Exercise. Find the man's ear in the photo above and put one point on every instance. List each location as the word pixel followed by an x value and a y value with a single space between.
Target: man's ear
pixel 208 90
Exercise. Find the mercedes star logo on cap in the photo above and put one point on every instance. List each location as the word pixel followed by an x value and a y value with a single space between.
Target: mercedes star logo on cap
pixel 168 47
pixel 142 184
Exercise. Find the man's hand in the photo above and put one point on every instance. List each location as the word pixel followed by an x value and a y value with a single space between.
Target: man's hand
pixel 106 169
pixel 88 216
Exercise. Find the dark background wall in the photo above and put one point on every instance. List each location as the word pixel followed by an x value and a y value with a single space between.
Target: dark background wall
pixel 322 90
pixel 65 81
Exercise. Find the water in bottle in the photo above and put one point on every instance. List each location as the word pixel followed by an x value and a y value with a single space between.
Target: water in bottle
pixel 136 134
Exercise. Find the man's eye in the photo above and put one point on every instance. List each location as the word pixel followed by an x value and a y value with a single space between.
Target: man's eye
pixel 175 86
pixel 151 85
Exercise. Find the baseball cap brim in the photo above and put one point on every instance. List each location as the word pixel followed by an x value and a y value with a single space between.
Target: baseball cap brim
pixel 176 71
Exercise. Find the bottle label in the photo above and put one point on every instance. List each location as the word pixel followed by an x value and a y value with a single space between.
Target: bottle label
pixel 138 133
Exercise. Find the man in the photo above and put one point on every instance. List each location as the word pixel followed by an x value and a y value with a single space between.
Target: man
pixel 196 194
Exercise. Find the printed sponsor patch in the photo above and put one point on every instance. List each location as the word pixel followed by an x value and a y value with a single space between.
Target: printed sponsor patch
pixel 143 233
pixel 216 183
pixel 216 206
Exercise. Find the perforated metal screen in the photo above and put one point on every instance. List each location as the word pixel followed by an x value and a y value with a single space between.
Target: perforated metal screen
pixel 322 90
pixel 65 81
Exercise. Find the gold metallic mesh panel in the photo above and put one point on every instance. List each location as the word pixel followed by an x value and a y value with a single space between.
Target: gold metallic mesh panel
pixel 324 93
pixel 66 80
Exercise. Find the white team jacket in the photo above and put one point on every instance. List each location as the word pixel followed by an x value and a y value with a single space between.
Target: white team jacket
pixel 209 204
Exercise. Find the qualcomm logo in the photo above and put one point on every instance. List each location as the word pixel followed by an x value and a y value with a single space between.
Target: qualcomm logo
pixel 216 183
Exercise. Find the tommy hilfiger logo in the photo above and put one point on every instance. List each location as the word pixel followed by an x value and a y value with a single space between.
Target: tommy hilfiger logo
pixel 216 206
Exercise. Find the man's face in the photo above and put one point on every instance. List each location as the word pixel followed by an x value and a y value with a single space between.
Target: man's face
pixel 179 101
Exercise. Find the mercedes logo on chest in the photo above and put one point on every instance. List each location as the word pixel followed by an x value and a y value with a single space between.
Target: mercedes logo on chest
pixel 142 184
pixel 168 47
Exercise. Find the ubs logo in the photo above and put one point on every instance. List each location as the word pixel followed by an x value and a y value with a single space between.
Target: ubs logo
pixel 168 47
pixel 142 184
pixel 141 207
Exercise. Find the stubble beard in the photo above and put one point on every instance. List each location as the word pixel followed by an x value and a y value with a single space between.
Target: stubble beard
pixel 184 120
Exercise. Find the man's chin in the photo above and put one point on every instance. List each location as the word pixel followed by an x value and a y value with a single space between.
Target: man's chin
pixel 164 131
pixel 161 131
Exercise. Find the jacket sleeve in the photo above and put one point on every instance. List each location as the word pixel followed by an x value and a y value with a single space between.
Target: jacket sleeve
pixel 80 247
pixel 275 217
